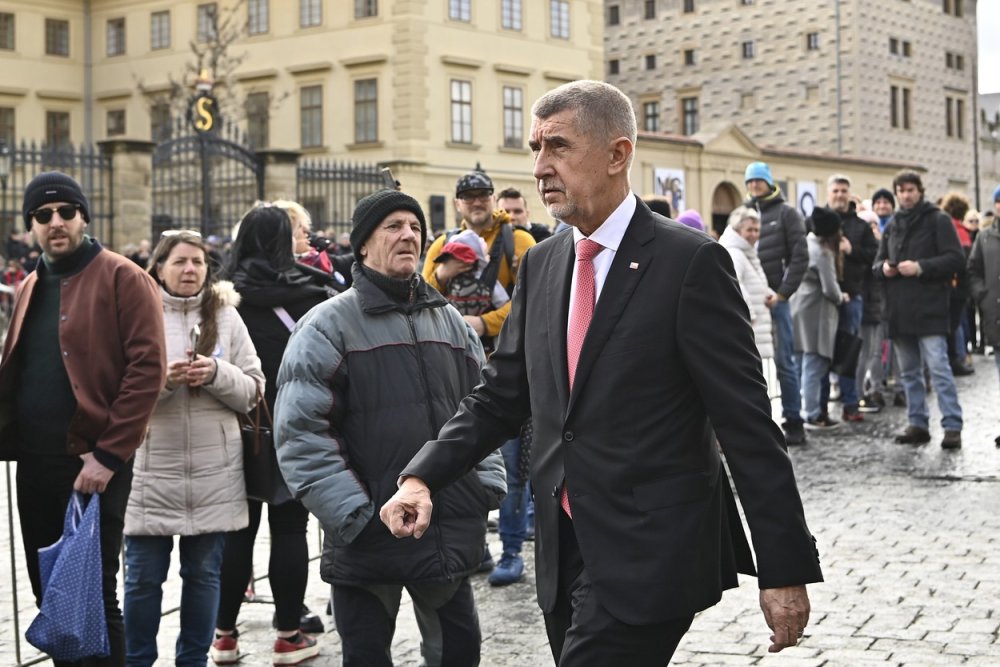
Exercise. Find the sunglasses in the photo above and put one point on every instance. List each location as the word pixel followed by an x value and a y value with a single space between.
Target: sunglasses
pixel 475 195
pixel 44 215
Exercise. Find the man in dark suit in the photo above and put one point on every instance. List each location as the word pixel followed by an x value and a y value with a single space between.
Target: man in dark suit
pixel 637 528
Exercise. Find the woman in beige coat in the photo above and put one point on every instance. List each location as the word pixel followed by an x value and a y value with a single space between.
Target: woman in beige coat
pixel 188 473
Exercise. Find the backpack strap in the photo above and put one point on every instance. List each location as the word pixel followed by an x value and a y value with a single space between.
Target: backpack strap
pixel 285 318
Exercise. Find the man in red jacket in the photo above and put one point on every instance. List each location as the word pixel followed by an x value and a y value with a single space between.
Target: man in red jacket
pixel 82 367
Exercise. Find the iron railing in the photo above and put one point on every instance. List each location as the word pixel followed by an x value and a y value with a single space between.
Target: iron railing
pixel 329 190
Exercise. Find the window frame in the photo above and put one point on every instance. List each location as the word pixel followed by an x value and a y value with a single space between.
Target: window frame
pixel 559 19
pixel 460 111
pixel 513 117
pixel 57 123
pixel 160 125
pixel 206 22
pixel 311 116
pixel 258 17
pixel 748 49
pixel 690 57
pixel 365 9
pixel 614 15
pixel 690 123
pixel 651 116
pixel 512 15
pixel 812 41
pixel 649 10
pixel 460 10
pixel 116 129
pixel 689 7
pixel 8 31
pixel 8 126
pixel 159 23
pixel 258 118
pixel 310 13
pixel 366 111
pixel 614 66
pixel 57 44
pixel 649 62
pixel 114 37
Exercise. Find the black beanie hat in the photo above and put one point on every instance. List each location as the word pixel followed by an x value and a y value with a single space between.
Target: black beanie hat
pixel 882 193
pixel 53 186
pixel 825 221
pixel 372 210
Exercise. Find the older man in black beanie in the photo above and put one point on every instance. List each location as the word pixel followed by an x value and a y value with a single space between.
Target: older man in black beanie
pixel 82 368
pixel 366 379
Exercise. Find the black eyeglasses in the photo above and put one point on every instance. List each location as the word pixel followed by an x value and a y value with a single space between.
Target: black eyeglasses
pixel 44 215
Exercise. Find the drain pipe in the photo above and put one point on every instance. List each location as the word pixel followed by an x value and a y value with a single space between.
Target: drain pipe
pixel 88 74
pixel 840 112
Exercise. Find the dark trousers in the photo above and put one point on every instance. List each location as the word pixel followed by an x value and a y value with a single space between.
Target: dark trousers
pixel 44 487
pixel 287 571
pixel 446 613
pixel 583 634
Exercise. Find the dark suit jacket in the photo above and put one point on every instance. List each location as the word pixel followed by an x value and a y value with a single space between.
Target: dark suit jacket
pixel 669 355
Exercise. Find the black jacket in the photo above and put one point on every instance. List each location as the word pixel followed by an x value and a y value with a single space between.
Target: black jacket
pixel 782 246
pixel 864 247
pixel 918 305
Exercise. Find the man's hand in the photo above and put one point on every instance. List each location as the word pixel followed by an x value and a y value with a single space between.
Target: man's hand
pixel 408 512
pixel 786 611
pixel 477 324
pixel 449 268
pixel 888 270
pixel 908 268
pixel 845 245
pixel 93 477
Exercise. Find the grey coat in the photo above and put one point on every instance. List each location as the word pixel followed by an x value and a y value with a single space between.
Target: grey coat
pixel 984 280
pixel 814 305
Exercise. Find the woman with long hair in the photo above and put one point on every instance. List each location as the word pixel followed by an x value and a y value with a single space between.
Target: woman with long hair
pixel 275 292
pixel 814 309
pixel 188 473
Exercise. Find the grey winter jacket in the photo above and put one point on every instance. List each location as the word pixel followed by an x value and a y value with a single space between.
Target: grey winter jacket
pixel 365 381
pixel 814 306
pixel 984 280
pixel 782 245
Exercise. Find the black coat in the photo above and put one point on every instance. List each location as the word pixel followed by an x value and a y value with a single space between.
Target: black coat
pixel 919 305
pixel 864 247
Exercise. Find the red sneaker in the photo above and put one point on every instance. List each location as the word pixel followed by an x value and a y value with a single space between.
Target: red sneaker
pixel 289 653
pixel 852 415
pixel 225 650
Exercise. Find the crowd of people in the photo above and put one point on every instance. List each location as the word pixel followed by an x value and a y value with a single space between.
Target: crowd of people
pixel 580 380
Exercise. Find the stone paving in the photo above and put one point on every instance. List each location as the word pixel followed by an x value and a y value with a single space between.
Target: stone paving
pixel 909 539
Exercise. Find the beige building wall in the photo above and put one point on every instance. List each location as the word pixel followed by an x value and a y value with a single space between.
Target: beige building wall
pixel 786 95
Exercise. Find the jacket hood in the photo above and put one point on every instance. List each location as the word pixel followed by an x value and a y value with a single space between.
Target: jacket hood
pixel 732 239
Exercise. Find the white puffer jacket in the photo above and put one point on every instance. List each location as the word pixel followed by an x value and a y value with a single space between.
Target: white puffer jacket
pixel 753 282
pixel 188 473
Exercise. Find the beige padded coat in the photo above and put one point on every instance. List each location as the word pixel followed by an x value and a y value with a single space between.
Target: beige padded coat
pixel 188 473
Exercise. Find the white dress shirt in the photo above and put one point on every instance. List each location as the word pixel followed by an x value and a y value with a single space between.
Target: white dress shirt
pixel 609 235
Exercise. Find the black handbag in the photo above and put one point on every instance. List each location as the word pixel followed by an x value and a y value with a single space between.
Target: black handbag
pixel 846 350
pixel 260 461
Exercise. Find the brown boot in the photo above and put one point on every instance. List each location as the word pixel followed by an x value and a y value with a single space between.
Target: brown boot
pixel 952 440
pixel 913 435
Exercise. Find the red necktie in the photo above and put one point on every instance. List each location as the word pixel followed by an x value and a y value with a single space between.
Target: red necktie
pixel 580 316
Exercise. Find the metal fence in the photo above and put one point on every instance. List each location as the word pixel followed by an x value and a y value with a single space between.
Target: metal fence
pixel 329 190
pixel 86 163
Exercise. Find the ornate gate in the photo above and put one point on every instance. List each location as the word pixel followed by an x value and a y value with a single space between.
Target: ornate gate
pixel 204 181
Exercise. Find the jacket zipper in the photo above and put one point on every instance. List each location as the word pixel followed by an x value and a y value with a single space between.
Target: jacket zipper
pixel 438 539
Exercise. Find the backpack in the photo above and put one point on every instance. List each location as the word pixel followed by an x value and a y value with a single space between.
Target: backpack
pixel 503 243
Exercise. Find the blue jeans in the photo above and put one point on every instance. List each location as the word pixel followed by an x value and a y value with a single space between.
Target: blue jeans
pixel 848 319
pixel 814 369
pixel 147 558
pixel 913 352
pixel 513 524
pixel 785 360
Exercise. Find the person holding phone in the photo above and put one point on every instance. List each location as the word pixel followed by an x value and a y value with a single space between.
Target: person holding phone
pixel 188 478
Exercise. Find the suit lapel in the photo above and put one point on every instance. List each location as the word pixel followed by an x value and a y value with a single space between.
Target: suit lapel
pixel 560 275
pixel 630 262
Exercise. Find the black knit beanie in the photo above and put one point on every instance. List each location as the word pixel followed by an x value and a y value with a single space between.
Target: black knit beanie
pixel 882 193
pixel 825 221
pixel 53 186
pixel 372 210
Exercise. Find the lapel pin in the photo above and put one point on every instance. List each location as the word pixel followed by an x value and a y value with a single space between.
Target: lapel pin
pixel 633 265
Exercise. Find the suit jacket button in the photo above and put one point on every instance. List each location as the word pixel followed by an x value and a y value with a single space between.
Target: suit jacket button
pixel 568 436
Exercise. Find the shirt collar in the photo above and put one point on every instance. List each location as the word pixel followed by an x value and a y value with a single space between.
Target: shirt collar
pixel 612 231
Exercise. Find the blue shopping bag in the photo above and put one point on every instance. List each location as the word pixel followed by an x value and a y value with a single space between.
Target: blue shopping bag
pixel 71 623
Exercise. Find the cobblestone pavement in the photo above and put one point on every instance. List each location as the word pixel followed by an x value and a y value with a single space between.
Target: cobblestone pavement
pixel 909 538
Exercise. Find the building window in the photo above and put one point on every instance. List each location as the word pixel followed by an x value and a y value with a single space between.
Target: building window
pixel 257 17
pixel 364 9
pixel 746 101
pixel 56 128
pixel 7 133
pixel 749 49
pixel 689 115
pixel 959 62
pixel 116 122
pixel 6 31
pixel 365 111
pixel 460 10
pixel 116 37
pixel 954 110
pixel 651 116
pixel 207 16
pixel 953 7
pixel 461 111
pixel 650 61
pixel 159 30
pixel 613 66
pixel 513 117
pixel 159 121
pixel 689 58
pixel 949 59
pixel 907 51
pixel 311 13
pixel 959 119
pixel 510 14
pixel 893 46
pixel 688 6
pixel 946 6
pixel 614 15
pixel 949 112
pixel 311 116
pixel 56 37
pixel 746 2
pixel 899 112
pixel 812 41
pixel 649 9
pixel 559 16
pixel 258 110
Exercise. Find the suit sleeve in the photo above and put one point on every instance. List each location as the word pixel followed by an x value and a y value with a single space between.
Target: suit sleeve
pixel 716 341
pixel 492 413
